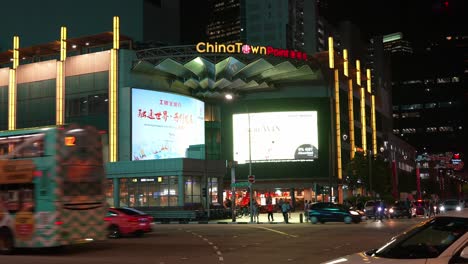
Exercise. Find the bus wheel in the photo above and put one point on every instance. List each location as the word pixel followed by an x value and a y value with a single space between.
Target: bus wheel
pixel 114 232
pixel 6 241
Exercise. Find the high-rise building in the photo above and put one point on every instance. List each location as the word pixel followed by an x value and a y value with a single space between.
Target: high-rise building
pixel 224 25
pixel 428 98
pixel 395 43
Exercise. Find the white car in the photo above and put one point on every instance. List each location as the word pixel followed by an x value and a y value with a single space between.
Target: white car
pixel 442 239
pixel 450 205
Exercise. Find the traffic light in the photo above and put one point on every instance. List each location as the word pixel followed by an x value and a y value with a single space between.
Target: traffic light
pixel 204 192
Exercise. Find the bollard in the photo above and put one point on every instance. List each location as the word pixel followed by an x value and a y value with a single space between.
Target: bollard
pixel 301 219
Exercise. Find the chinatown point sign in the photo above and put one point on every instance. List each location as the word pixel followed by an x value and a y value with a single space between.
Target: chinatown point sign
pixel 242 48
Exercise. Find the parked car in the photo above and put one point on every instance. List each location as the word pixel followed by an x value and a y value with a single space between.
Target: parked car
pixel 330 212
pixel 441 239
pixel 399 209
pixel 451 205
pixel 369 208
pixel 127 221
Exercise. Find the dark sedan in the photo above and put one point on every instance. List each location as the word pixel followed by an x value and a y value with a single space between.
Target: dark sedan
pixel 331 212
pixel 399 209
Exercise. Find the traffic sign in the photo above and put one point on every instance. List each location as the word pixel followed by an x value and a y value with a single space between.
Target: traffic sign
pixel 240 184
pixel 252 178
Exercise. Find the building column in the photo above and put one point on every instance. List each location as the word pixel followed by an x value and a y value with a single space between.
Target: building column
pixel 180 190
pixel 116 191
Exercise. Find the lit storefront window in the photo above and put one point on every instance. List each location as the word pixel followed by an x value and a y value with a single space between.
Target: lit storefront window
pixel 110 192
pixel 192 191
pixel 151 191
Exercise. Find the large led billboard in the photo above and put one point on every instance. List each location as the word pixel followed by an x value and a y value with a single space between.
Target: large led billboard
pixel 275 136
pixel 165 125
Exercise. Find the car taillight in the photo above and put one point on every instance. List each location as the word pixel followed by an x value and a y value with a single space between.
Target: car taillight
pixel 58 222
pixel 108 219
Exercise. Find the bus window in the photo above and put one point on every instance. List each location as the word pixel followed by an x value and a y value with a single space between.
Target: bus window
pixel 13 203
pixel 27 200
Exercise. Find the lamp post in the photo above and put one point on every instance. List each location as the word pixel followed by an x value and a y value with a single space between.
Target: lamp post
pixel 370 172
pixel 250 168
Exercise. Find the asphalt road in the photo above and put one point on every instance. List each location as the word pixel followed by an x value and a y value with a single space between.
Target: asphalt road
pixel 226 243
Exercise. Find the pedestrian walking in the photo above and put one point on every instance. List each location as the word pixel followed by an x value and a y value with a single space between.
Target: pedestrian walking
pixel 270 212
pixel 285 208
pixel 432 209
pixel 255 211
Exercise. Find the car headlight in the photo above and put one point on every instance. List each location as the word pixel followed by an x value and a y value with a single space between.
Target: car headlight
pixel 458 208
pixel 353 212
pixel 442 208
pixel 391 210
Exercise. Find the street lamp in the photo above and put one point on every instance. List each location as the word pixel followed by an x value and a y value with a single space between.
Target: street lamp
pixel 370 172
pixel 250 167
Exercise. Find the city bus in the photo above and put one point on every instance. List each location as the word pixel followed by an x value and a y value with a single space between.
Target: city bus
pixel 52 189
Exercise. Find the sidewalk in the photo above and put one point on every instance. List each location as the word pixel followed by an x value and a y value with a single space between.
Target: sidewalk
pixel 263 219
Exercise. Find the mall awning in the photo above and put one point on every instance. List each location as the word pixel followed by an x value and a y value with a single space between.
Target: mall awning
pixel 214 75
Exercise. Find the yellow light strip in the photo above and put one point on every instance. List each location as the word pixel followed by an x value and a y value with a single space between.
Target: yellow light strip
pixel 345 63
pixel 113 115
pixel 374 127
pixel 12 94
pixel 351 117
pixel 331 53
pixel 116 32
pixel 59 94
pixel 113 94
pixel 338 127
pixel 63 43
pixel 358 72
pixel 363 120
pixel 368 77
pixel 12 100
pixel 15 52
pixel 60 83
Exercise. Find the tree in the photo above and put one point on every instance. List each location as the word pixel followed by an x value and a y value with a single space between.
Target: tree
pixel 357 171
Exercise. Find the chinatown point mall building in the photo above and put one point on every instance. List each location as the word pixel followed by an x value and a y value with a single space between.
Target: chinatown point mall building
pixel 181 124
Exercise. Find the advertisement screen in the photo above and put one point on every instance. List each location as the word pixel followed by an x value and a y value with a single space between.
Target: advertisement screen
pixel 165 125
pixel 275 137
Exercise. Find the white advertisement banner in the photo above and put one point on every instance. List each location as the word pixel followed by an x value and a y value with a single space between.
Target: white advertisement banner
pixel 165 125
pixel 275 136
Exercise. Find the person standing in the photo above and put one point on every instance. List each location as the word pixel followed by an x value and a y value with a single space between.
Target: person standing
pixel 255 211
pixel 306 210
pixel 285 210
pixel 270 212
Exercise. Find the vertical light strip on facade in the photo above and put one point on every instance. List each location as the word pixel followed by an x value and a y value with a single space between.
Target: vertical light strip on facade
pixel 338 125
pixel 12 100
pixel 60 84
pixel 368 77
pixel 363 107
pixel 374 126
pixel 331 51
pixel 363 120
pixel 358 72
pixel 345 63
pixel 113 92
pixel 12 86
pixel 15 52
pixel 351 117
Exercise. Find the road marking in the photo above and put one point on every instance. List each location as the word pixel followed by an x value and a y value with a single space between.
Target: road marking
pixel 275 231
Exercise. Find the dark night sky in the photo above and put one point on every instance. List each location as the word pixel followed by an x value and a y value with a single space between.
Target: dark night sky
pixel 417 19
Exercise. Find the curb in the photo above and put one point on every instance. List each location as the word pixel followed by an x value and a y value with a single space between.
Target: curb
pixel 220 223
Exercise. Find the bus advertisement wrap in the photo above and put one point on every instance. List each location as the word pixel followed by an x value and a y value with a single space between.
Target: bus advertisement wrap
pixel 275 136
pixel 165 125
